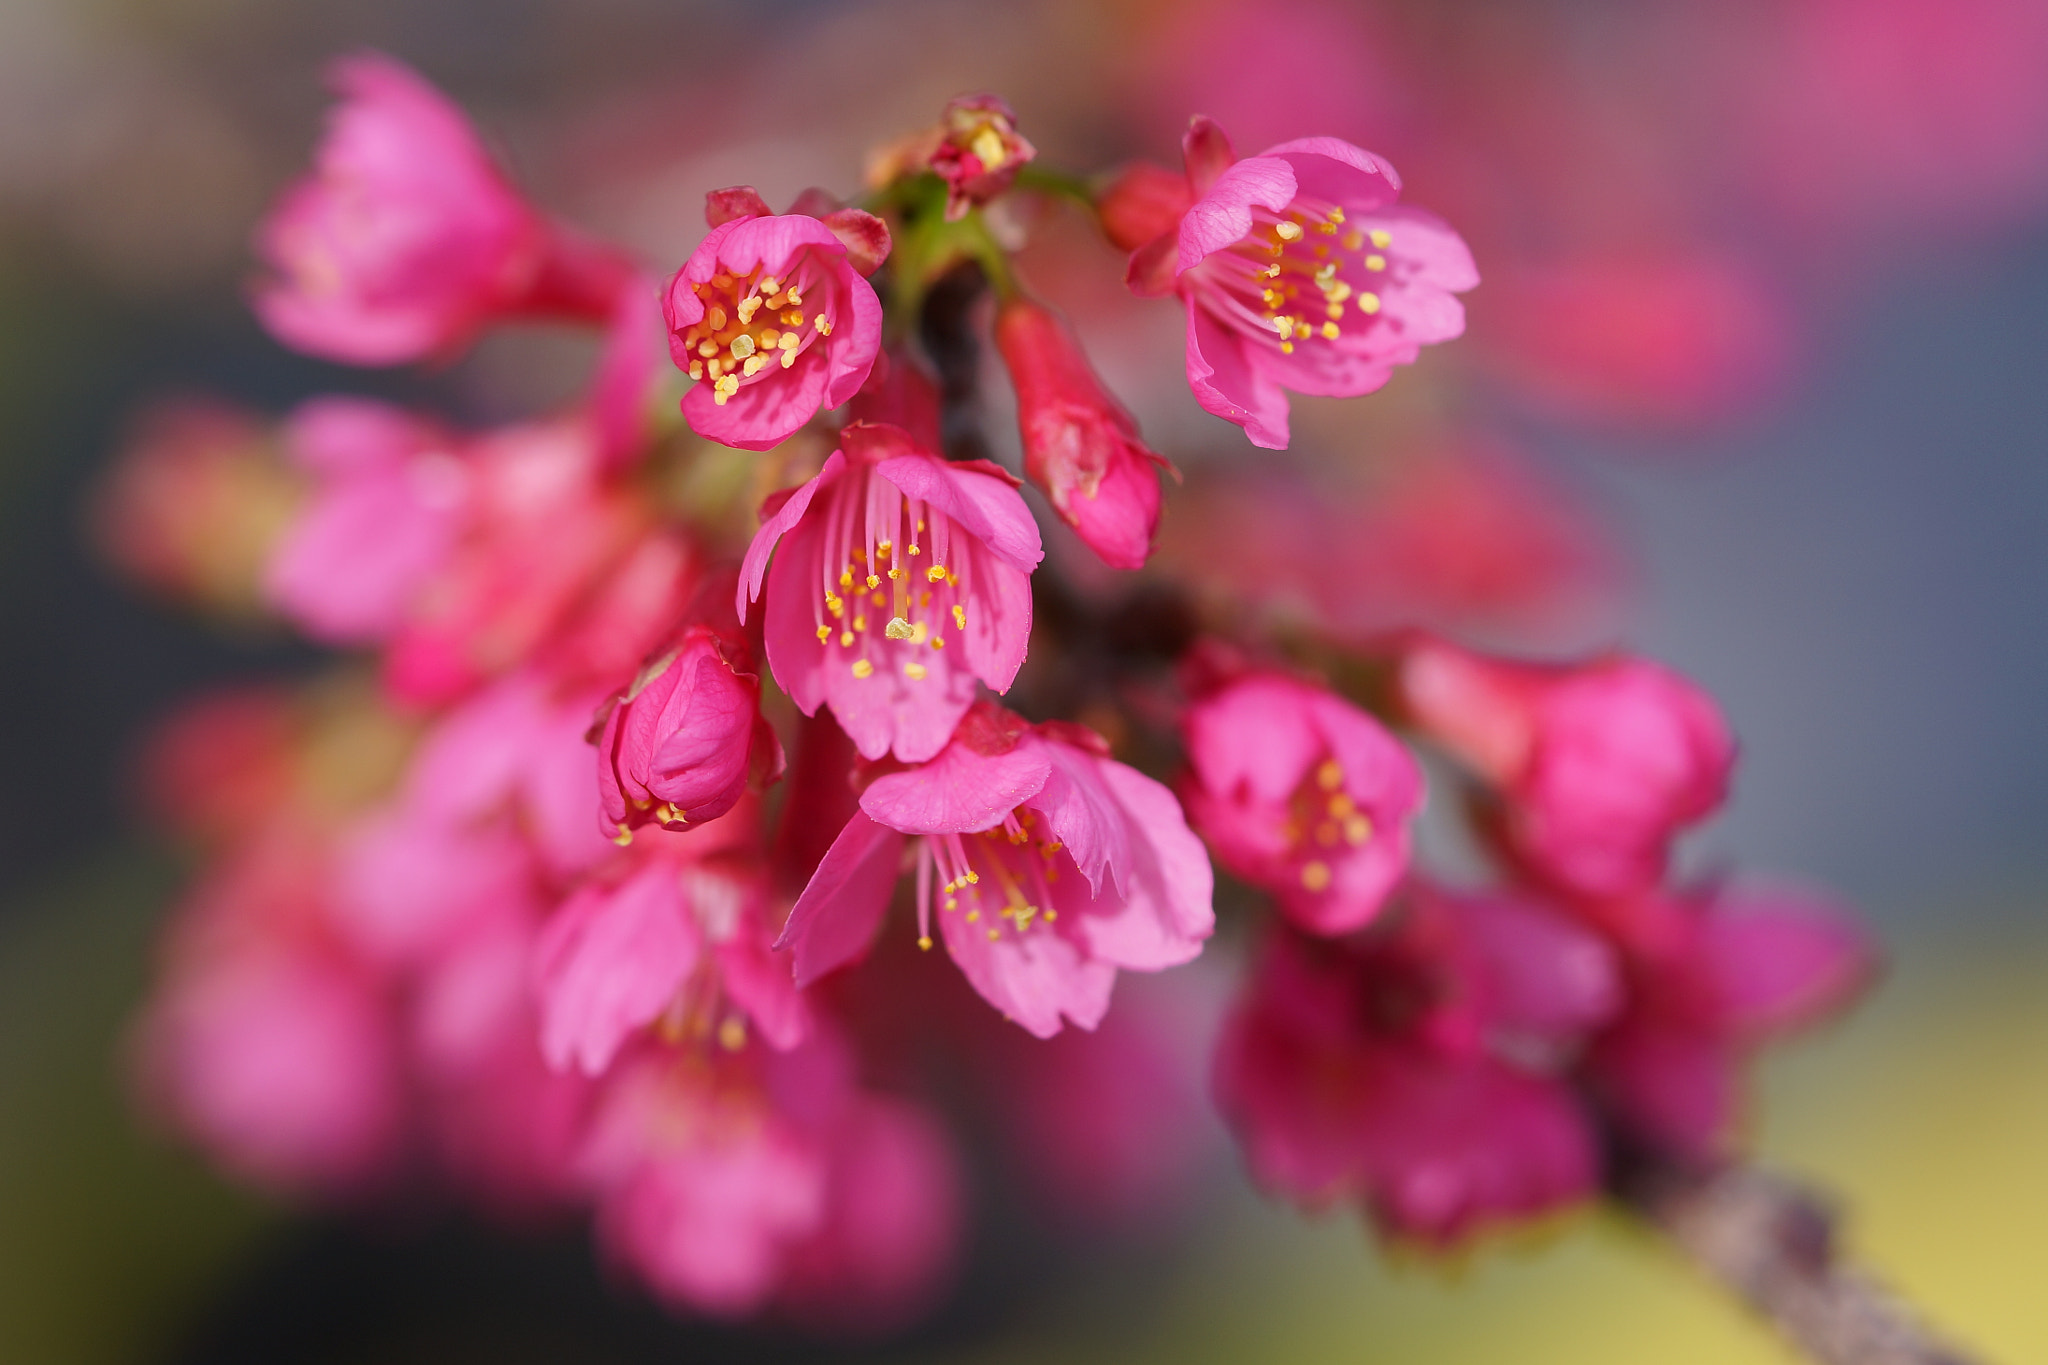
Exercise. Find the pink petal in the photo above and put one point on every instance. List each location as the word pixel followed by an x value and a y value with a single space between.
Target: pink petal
pixel 960 791
pixel 789 514
pixel 1223 216
pixel 836 918
pixel 1034 978
pixel 1229 383
pixel 608 964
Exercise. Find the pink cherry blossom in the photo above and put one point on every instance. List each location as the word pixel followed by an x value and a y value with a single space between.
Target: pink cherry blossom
pixel 1053 866
pixel 1600 766
pixel 901 579
pixel 266 1042
pixel 680 744
pixel 391 497
pixel 675 932
pixel 1418 1071
pixel 406 238
pixel 1711 977
pixel 974 148
pixel 734 1178
pixel 1303 795
pixel 1300 271
pixel 1081 447
pixel 774 322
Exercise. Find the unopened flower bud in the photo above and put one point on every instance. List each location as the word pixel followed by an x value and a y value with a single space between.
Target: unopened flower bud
pixel 975 148
pixel 1081 448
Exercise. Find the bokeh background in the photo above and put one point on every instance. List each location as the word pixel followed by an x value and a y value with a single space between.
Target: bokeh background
pixel 1766 299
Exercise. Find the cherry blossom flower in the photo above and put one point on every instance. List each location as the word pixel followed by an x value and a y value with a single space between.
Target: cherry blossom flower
pixel 1300 271
pixel 1599 766
pixel 1303 795
pixel 1711 977
pixel 900 580
pixel 406 238
pixel 1053 866
pixel 974 148
pixel 1419 1071
pixel 774 322
pixel 1081 447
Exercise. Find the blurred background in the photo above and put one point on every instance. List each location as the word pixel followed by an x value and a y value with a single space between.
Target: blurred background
pixel 1758 380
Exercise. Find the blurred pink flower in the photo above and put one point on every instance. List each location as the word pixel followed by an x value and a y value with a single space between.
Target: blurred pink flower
pixel 266 1042
pixel 676 933
pixel 1299 271
pixel 727 1180
pixel 1600 766
pixel 1303 795
pixel 406 238
pixel 391 498
pixel 774 322
pixel 901 579
pixel 1711 977
pixel 1059 866
pixel 194 503
pixel 1417 1070
pixel 1081 447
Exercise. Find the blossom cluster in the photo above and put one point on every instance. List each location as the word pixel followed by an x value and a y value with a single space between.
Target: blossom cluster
pixel 594 891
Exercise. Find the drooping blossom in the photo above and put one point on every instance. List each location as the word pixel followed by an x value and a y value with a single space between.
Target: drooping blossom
pixel 681 743
pixel 974 148
pixel 266 1041
pixel 1711 976
pixel 1052 865
pixel 390 498
pixel 1303 795
pixel 1599 766
pixel 1419 1071
pixel 406 238
pixel 726 1180
pixel 194 504
pixel 1081 447
pixel 772 319
pixel 1299 271
pixel 675 932
pixel 901 579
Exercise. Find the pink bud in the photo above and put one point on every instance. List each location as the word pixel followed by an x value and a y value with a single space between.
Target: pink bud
pixel 1080 446
pixel 678 747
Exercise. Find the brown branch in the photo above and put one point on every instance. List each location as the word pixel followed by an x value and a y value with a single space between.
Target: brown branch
pixel 1770 1241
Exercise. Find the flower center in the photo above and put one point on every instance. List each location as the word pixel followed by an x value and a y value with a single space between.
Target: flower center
pixel 1300 277
pixel 750 323
pixel 1322 819
pixel 889 576
pixel 999 879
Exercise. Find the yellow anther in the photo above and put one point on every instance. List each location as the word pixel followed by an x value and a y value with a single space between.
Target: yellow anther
pixel 793 316
pixel 776 300
pixel 769 284
pixel 1336 214
pixel 1337 292
pixel 753 366
pixel 845 638
pixel 623 837
pixel 938 642
pixel 936 573
pixel 714 318
pixel 1327 229
pixel 1368 303
pixel 1051 915
pixel 1357 830
pixel 973 878
pixel 1341 805
pixel 860 622
pixel 824 634
pixel 918 632
pixel 1381 238
pixel 788 341
pixel 823 324
pixel 707 349
pixel 1329 775
pixel 721 281
pixel 1285 326
pixel 749 306
pixel 835 605
pixel 959 616
pixel 732 1033
pixel 895 572
pixel 742 346
pixel 769 337
pixel 1316 875
pixel 914 672
pixel 1303 331
pixel 878 599
pixel 916 550
pixel 924 941
pixel 696 369
pixel 1375 263
pixel 795 294
pixel 1287 232
pixel 788 359
pixel 1334 311
pixel 994 934
pixel 863 669
pixel 897 629
pixel 974 916
pixel 1329 331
